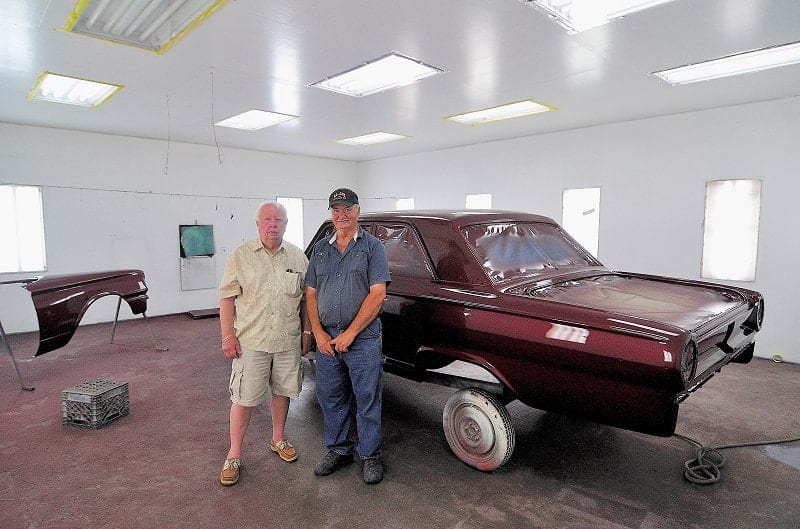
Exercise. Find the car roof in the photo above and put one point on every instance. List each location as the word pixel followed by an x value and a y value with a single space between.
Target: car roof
pixel 460 217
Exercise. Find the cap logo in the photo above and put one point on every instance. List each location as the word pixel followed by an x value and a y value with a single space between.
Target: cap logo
pixel 339 195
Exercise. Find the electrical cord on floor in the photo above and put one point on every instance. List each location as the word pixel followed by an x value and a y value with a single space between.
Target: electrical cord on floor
pixel 704 468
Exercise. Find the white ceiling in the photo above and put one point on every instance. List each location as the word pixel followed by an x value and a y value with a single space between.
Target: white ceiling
pixel 263 54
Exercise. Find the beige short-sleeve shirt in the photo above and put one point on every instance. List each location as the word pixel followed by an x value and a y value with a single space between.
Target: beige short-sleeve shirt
pixel 268 289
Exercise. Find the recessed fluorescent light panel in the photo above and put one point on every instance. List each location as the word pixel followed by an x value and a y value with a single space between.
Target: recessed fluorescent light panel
pixel 511 110
pixel 254 120
pixel 751 61
pixel 71 90
pixel 390 71
pixel 151 24
pixel 371 138
pixel 580 15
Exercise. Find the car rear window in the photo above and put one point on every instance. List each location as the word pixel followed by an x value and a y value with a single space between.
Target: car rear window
pixel 512 250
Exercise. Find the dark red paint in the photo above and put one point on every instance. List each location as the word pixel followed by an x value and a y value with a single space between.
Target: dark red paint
pixel 577 338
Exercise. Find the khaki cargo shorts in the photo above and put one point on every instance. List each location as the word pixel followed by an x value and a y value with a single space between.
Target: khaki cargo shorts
pixel 255 371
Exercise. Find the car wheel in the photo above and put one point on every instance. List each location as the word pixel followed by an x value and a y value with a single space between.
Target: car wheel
pixel 745 356
pixel 478 429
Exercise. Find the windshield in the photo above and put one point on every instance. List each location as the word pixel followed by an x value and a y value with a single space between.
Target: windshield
pixel 512 250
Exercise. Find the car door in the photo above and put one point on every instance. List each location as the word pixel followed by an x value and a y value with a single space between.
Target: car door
pixel 404 309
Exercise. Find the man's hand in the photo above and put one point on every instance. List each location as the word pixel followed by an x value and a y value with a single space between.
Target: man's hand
pixel 324 343
pixel 231 347
pixel 342 343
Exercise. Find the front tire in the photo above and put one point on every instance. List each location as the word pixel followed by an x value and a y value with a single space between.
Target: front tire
pixel 478 429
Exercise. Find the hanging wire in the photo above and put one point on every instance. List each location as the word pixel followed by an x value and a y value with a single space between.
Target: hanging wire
pixel 169 138
pixel 213 119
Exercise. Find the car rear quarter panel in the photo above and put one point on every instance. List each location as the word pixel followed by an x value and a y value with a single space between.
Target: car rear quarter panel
pixel 621 380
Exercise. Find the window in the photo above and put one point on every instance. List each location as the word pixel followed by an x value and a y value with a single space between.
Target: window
pixel 21 229
pixel 479 201
pixel 580 216
pixel 403 251
pixel 730 229
pixel 404 203
pixel 294 226
pixel 522 250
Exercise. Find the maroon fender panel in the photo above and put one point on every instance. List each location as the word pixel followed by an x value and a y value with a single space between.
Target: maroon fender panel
pixel 61 300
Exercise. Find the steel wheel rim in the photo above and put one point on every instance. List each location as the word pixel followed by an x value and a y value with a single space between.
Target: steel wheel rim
pixel 473 430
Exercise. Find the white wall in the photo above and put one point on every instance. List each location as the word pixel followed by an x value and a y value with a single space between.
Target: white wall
pixel 652 176
pixel 114 202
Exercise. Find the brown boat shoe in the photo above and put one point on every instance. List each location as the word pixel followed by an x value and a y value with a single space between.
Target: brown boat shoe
pixel 284 449
pixel 229 474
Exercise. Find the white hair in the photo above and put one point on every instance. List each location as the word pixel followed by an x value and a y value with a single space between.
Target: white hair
pixel 272 203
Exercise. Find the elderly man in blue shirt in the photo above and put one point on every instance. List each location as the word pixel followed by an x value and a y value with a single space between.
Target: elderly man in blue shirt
pixel 345 288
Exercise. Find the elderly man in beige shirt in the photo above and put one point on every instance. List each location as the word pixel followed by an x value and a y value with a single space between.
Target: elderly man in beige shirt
pixel 264 331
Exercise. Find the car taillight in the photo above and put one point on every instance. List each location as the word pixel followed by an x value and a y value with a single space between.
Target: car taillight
pixel 688 362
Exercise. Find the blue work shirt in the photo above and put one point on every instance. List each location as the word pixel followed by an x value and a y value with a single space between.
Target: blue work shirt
pixel 342 280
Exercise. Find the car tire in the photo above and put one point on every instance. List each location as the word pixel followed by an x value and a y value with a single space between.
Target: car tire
pixel 478 429
pixel 745 356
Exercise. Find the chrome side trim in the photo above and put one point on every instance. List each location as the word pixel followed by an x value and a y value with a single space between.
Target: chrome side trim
pixel 659 331
pixel 643 334
pixel 471 293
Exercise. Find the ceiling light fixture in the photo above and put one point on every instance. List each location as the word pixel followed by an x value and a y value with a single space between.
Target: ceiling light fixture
pixel 390 71
pixel 508 111
pixel 151 24
pixel 580 15
pixel 372 138
pixel 254 120
pixel 58 88
pixel 740 63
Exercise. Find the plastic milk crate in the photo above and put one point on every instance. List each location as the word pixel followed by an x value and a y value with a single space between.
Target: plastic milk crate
pixel 95 403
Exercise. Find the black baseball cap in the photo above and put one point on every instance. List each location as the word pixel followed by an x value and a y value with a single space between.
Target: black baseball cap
pixel 344 196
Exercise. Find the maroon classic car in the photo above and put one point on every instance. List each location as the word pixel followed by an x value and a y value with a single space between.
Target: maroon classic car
pixel 515 295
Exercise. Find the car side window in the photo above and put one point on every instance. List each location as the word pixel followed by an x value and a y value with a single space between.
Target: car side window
pixel 404 251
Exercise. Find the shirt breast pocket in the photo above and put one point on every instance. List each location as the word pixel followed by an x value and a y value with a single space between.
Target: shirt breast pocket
pixel 359 264
pixel 291 283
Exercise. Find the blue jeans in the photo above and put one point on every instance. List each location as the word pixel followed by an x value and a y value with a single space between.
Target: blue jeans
pixel 359 373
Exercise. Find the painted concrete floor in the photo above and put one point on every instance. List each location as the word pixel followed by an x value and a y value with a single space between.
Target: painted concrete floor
pixel 157 467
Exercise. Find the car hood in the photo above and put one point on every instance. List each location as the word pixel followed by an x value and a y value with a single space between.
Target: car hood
pixel 683 304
